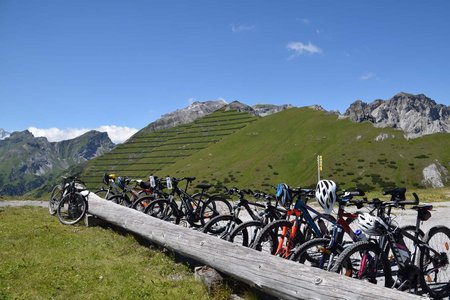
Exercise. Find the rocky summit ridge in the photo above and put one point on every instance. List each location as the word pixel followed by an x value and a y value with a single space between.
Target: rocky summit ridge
pixel 416 115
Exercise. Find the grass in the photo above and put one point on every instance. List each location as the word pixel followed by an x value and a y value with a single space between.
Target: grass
pixel 42 259
pixel 148 152
pixel 283 148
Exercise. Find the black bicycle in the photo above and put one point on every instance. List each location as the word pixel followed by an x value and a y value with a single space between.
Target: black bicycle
pixel 193 209
pixel 426 266
pixel 59 191
pixel 233 229
pixel 73 205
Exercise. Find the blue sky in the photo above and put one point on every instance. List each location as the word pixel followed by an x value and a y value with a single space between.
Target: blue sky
pixel 75 65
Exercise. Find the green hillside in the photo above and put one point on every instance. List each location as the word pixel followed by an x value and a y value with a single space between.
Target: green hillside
pixel 148 153
pixel 284 147
pixel 232 148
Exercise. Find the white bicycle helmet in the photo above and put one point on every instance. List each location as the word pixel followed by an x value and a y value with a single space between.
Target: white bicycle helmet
pixel 326 194
pixel 372 225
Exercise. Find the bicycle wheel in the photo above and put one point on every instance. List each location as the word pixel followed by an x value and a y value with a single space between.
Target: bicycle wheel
pixel 221 226
pixel 163 209
pixel 434 266
pixel 141 203
pixel 71 209
pixel 214 206
pixel 365 261
pixel 123 200
pixel 314 253
pixel 245 234
pixel 105 194
pixel 54 199
pixel 278 238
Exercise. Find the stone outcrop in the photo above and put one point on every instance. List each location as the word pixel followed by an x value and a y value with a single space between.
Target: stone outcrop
pixel 416 115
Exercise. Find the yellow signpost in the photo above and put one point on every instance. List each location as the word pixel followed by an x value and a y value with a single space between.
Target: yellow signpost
pixel 319 166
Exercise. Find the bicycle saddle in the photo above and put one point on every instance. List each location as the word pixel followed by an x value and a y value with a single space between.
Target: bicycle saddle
pixel 203 186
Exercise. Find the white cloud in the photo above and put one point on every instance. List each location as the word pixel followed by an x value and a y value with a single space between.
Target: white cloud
pixel 191 100
pixel 117 134
pixel 300 48
pixel 305 21
pixel 368 76
pixel 241 28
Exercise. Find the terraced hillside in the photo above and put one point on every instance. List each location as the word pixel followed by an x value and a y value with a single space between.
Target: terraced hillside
pixel 149 153
pixel 284 146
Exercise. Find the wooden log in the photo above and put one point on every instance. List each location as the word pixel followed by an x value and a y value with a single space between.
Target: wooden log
pixel 273 275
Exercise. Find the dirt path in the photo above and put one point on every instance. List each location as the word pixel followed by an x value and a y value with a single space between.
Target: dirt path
pixel 16 203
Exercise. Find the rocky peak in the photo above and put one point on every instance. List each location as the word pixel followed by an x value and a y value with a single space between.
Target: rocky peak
pixel 3 134
pixel 416 115
pixel 241 107
pixel 86 146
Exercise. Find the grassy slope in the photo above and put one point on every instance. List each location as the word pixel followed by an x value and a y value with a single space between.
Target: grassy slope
pixel 284 146
pixel 42 259
pixel 148 153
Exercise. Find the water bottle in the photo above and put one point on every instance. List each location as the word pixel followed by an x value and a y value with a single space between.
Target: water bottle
pixel 169 183
pixel 360 236
pixel 152 181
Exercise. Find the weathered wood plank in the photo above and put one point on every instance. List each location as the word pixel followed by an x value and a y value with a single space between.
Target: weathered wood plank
pixel 273 275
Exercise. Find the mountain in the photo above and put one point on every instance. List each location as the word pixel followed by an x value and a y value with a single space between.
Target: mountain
pixel 28 161
pixel 416 115
pixel 3 134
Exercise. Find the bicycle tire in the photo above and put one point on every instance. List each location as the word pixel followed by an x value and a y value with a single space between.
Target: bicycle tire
pixel 164 210
pixel 55 197
pixel 245 233
pixel 214 206
pixel 123 200
pixel 437 283
pixel 272 234
pixel 364 250
pixel 141 203
pixel 313 253
pixel 72 208
pixel 105 194
pixel 221 225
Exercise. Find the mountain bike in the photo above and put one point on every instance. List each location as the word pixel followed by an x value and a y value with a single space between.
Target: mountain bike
pixel 245 233
pixel 223 225
pixel 73 205
pixel 281 237
pixel 426 266
pixel 133 196
pixel 59 191
pixel 110 189
pixel 193 209
pixel 150 191
pixel 321 252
